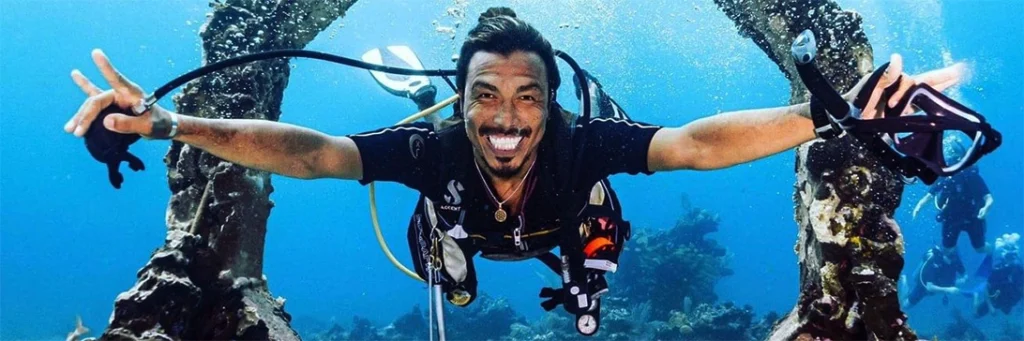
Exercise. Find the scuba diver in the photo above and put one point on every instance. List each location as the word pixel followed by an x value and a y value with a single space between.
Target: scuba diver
pixel 963 201
pixel 939 272
pixel 608 230
pixel 1003 285
pixel 514 175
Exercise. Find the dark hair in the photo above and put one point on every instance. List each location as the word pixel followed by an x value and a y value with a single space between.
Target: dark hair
pixel 499 31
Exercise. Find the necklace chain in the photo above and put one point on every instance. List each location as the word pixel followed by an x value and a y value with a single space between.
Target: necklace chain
pixel 520 185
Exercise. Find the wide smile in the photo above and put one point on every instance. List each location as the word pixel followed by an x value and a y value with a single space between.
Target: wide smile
pixel 503 146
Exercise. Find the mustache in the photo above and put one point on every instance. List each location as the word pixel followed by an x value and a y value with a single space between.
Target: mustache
pixel 524 132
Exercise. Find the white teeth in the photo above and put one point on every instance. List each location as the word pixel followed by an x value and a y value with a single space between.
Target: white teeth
pixel 505 143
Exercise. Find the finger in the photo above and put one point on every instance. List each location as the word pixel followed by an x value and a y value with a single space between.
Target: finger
pixel 894 71
pixel 87 87
pixel 82 109
pixel 873 107
pixel 125 124
pixel 905 83
pixel 943 78
pixel 90 109
pixel 116 80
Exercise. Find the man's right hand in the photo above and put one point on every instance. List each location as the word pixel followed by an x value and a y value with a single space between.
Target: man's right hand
pixel 123 94
pixel 270 146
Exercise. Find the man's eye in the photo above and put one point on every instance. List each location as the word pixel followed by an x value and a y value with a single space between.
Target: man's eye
pixel 485 95
pixel 528 98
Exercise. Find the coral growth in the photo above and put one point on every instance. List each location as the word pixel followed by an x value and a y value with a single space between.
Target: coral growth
pixel 664 290
pixel 961 329
pixel 487 318
pixel 666 267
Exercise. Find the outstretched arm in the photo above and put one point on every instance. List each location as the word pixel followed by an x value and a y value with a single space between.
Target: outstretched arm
pixel 275 147
pixel 931 287
pixel 730 138
pixel 271 146
pixel 984 209
pixel 734 138
pixel 920 204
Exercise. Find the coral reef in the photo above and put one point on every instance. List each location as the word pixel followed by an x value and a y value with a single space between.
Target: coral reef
pixel 488 318
pixel 672 266
pixel 962 329
pixel 685 262
pixel 850 249
pixel 206 281
pixel 713 322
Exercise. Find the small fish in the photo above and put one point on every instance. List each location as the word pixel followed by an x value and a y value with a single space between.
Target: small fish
pixel 80 330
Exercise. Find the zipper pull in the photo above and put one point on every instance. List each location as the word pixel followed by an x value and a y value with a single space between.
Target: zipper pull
pixel 517 236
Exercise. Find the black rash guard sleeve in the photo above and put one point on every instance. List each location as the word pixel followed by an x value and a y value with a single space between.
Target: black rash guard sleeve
pixel 616 146
pixel 406 154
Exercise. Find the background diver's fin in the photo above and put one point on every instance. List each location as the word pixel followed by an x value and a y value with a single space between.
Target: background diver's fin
pixel 398 56
pixel 985 269
pixel 981 277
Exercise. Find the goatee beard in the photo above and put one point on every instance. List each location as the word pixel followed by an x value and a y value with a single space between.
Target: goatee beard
pixel 506 172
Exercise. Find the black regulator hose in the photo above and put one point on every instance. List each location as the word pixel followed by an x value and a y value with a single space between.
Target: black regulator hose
pixel 207 69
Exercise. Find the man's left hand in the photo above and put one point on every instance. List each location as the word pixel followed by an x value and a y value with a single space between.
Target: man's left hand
pixel 939 79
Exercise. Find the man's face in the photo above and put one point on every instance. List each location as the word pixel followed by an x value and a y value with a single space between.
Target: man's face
pixel 505 106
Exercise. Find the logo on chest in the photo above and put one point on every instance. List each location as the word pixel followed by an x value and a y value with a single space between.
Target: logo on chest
pixel 453 197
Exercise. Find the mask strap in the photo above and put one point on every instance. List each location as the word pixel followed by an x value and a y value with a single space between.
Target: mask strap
pixel 865 93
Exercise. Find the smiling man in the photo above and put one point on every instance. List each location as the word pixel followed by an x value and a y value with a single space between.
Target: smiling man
pixel 490 177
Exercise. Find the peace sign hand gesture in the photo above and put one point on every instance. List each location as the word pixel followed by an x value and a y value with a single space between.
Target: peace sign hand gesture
pixel 154 123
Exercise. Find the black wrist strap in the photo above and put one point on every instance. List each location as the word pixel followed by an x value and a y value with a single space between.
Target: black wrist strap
pixel 823 125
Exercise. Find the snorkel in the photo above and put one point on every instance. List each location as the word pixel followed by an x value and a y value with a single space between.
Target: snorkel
pixel 910 145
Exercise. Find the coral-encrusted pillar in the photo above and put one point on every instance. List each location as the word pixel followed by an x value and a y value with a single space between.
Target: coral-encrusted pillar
pixel 206 282
pixel 849 248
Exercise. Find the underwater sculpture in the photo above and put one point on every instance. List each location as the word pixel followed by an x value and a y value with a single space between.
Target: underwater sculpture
pixel 206 282
pixel 849 247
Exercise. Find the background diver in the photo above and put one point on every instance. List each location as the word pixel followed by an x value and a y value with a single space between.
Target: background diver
pixel 488 180
pixel 940 272
pixel 1002 287
pixel 963 200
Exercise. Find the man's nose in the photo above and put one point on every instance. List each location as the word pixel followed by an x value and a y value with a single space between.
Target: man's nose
pixel 506 114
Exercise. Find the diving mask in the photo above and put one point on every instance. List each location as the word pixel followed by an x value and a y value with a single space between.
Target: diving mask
pixel 911 144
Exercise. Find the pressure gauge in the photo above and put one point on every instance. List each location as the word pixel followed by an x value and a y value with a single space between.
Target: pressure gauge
pixel 586 324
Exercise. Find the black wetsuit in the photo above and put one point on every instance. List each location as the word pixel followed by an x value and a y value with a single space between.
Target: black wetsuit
pixel 937 269
pixel 1006 285
pixel 962 195
pixel 456 201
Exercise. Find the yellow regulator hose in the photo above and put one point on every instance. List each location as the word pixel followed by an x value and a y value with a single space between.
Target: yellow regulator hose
pixel 373 191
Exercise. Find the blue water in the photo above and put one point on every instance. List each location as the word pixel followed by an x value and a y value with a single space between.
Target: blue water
pixel 69 243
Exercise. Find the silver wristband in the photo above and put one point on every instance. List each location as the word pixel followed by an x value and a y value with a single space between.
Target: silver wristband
pixel 174 125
